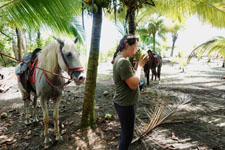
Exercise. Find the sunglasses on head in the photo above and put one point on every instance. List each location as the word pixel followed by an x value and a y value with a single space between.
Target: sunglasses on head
pixel 131 40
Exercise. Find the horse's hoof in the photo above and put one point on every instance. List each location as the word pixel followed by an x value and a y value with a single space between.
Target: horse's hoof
pixel 28 122
pixel 35 120
pixel 48 143
pixel 59 138
pixel 46 146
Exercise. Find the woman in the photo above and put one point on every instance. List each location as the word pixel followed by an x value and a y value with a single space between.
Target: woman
pixel 127 91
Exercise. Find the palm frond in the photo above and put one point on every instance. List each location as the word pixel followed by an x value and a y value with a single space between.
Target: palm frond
pixel 121 28
pixel 207 10
pixel 162 111
pixel 212 47
pixel 55 14
pixel 77 29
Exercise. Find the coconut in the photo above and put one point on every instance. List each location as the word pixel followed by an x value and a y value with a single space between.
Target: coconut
pixel 108 116
pixel 4 115
pixel 139 53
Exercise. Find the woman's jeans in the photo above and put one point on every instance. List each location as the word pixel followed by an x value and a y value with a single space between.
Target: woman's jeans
pixel 127 117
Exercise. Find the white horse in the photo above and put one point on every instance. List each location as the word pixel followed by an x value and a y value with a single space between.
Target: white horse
pixel 57 56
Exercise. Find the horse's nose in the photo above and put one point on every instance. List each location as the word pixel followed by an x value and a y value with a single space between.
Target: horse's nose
pixel 81 78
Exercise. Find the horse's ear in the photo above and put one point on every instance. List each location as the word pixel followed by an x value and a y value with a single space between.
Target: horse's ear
pixel 59 40
pixel 76 39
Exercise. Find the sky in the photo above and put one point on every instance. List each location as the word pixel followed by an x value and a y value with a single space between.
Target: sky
pixel 194 33
pixel 109 34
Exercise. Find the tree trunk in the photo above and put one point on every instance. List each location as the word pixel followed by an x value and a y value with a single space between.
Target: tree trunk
pixel 24 42
pixel 14 47
pixel 88 113
pixel 153 34
pixel 132 26
pixel 39 44
pixel 174 36
pixel 19 43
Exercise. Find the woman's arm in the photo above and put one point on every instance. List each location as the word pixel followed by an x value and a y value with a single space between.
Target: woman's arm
pixel 134 80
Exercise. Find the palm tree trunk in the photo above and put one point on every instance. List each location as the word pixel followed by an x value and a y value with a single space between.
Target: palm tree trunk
pixel 172 49
pixel 88 113
pixel 153 41
pixel 174 36
pixel 14 47
pixel 19 44
pixel 24 42
pixel 132 26
pixel 39 44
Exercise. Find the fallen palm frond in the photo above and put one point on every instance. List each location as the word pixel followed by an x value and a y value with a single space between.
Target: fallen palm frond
pixel 162 111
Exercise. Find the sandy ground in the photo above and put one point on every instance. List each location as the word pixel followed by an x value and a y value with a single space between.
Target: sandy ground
pixel 199 124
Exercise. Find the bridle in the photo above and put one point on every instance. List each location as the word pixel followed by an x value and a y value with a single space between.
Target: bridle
pixel 78 69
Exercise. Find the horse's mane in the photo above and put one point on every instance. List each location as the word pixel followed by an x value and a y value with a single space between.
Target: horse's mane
pixel 48 58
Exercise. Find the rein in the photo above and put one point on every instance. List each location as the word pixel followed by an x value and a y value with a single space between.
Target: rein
pixel 35 67
pixel 55 86
pixel 80 69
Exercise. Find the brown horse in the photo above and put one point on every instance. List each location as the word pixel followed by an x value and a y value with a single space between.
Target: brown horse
pixel 154 63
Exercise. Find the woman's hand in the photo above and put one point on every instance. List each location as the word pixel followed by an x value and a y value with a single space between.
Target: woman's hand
pixel 142 60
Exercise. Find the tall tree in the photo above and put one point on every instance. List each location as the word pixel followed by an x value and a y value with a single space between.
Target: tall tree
pixel 19 43
pixel 174 31
pixel 207 11
pixel 132 7
pixel 88 113
pixel 24 41
pixel 153 27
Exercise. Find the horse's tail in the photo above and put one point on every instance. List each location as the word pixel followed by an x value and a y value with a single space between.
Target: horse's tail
pixel 159 67
pixel 159 71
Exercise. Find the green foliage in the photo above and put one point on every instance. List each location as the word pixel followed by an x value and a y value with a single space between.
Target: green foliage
pixel 31 16
pixel 148 31
pixel 212 47
pixel 102 3
pixel 77 29
pixel 55 14
pixel 92 6
pixel 5 45
pixel 207 10
pixel 4 48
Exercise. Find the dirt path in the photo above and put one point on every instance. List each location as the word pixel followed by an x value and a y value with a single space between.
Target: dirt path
pixel 199 124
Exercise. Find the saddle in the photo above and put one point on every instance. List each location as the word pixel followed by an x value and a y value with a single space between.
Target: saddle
pixel 26 69
pixel 155 59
